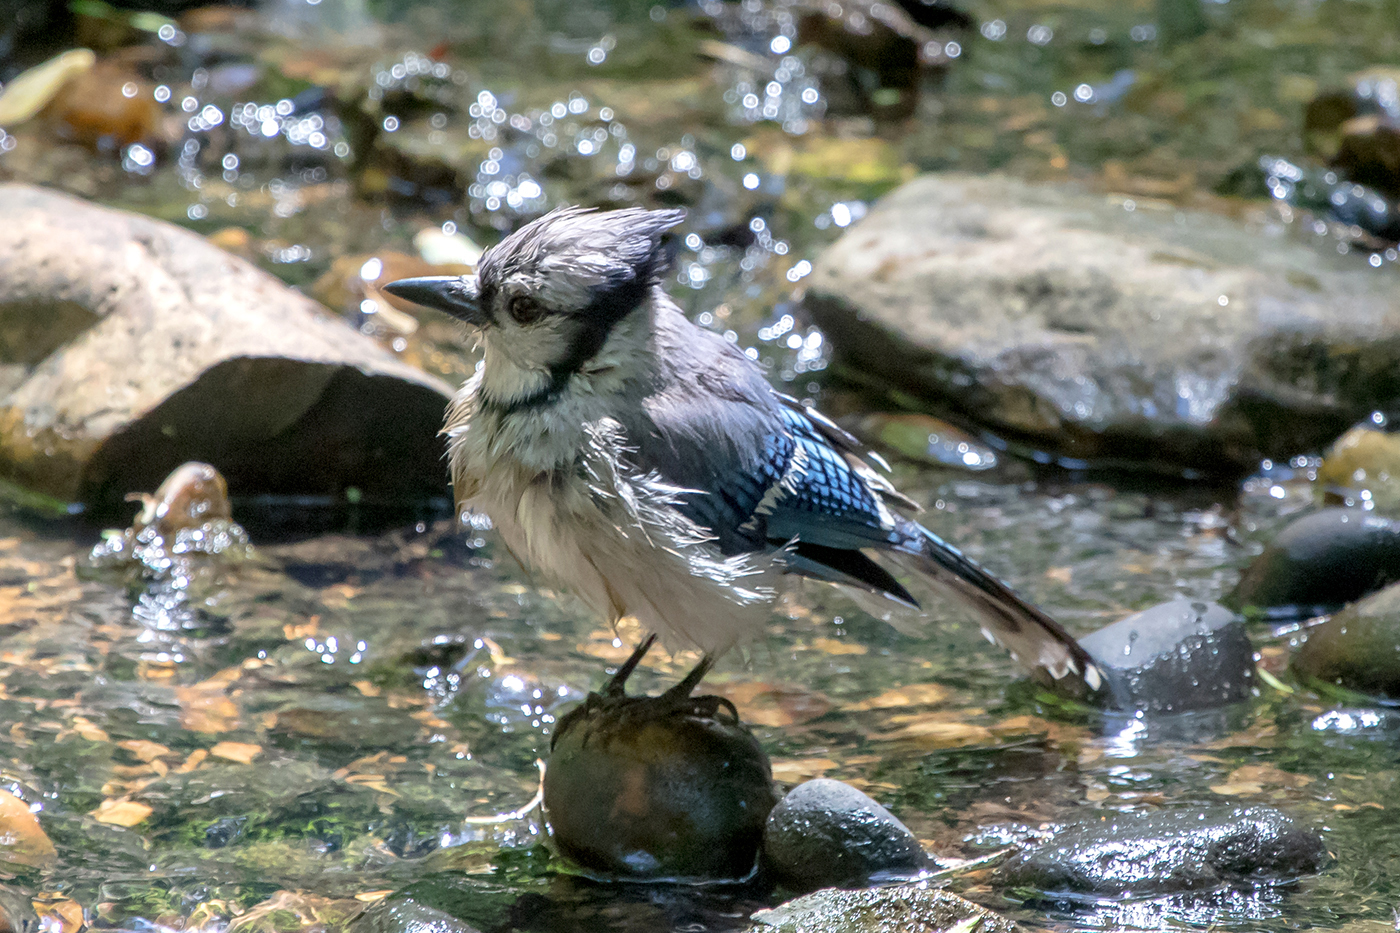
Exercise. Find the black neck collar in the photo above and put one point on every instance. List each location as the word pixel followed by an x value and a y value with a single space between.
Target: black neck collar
pixel 542 397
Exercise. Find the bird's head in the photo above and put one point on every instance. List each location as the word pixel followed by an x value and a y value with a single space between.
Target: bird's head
pixel 547 296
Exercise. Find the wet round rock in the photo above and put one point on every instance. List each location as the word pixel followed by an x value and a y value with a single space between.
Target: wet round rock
pixel 1179 656
pixel 1150 854
pixel 1363 465
pixel 1320 562
pixel 194 493
pixel 1358 648
pixel 826 833
pixel 646 788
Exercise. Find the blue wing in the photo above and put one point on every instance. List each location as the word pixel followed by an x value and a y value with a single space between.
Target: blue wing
pixel 765 473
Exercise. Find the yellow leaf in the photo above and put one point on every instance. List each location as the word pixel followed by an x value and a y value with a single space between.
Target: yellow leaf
pixel 940 732
pixel 87 730
pixel 909 695
pixel 58 914
pixel 1237 789
pixel 121 812
pixel 765 704
pixel 22 839
pixel 369 897
pixel 145 750
pixel 205 708
pixel 241 752
pixel 835 646
pixel 795 770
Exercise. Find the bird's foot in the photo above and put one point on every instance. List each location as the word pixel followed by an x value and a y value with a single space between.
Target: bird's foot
pixel 614 706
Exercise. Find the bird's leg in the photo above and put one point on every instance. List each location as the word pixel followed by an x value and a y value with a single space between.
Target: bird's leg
pixel 617 687
pixel 679 697
pixel 686 687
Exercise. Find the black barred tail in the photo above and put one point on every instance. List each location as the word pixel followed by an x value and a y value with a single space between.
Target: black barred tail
pixel 1033 638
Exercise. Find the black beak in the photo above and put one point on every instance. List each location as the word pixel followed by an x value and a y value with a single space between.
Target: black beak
pixel 456 295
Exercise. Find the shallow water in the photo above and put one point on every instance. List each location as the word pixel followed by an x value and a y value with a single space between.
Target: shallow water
pixel 285 740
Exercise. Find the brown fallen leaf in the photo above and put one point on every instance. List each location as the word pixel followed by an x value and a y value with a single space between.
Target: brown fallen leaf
pixel 765 704
pixel 908 695
pixel 291 911
pixel 939 733
pixel 241 752
pixel 145 750
pixel 796 770
pixel 121 812
pixel 87 730
pixel 22 839
pixel 1267 775
pixel 1237 789
pixel 58 914
pixel 204 707
pixel 838 647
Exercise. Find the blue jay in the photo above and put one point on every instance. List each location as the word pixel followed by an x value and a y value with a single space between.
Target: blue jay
pixel 646 464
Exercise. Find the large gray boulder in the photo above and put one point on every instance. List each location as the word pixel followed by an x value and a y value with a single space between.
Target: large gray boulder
pixel 1063 321
pixel 129 345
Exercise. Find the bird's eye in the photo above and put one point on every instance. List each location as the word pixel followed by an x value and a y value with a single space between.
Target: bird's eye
pixel 525 310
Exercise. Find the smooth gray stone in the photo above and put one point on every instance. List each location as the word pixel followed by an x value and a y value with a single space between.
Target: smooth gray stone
pixel 1180 656
pixel 826 833
pixel 1119 854
pixel 1091 333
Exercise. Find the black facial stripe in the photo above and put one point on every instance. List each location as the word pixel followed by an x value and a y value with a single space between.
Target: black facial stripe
pixel 486 297
pixel 610 304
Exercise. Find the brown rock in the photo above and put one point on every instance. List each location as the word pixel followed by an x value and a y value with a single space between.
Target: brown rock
pixel 131 346
pixel 107 105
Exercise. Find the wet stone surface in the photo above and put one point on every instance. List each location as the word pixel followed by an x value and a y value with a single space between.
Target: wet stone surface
pixel 907 908
pixel 825 833
pixel 1167 340
pixel 1138 854
pixel 1179 656
pixel 1320 562
pixel 645 788
pixel 1358 648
